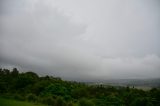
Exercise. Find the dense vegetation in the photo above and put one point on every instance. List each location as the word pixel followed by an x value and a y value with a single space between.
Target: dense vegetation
pixel 54 91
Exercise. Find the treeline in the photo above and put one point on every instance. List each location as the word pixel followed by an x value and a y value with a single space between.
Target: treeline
pixel 54 91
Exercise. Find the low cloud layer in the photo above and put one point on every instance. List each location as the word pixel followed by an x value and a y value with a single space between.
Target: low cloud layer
pixel 75 42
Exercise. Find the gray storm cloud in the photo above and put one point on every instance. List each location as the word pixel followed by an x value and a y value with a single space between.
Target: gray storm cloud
pixel 105 40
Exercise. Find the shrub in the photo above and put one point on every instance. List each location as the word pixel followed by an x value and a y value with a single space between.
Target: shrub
pixel 48 100
pixel 60 102
pixel 31 97
pixel 70 104
pixel 85 102
pixel 19 97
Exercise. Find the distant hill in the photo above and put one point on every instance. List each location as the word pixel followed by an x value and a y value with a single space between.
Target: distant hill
pixel 131 82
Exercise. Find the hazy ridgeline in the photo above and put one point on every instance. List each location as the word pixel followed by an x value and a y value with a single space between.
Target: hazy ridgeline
pixel 54 91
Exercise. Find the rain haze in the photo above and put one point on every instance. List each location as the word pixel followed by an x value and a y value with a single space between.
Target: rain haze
pixel 81 39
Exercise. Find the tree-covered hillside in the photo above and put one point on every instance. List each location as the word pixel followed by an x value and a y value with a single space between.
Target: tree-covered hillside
pixel 54 91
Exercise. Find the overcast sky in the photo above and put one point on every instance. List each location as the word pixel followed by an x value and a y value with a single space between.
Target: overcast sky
pixel 81 39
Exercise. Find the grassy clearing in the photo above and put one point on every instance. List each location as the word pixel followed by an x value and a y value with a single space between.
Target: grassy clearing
pixel 10 102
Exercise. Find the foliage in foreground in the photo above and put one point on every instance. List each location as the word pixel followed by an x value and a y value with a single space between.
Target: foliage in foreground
pixel 53 91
